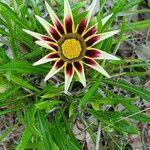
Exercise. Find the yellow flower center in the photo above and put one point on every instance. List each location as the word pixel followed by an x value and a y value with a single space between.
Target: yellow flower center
pixel 71 48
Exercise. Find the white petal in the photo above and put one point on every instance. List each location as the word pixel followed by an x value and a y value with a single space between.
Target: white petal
pixel 44 23
pixel 44 60
pixel 52 14
pixel 101 54
pixel 45 44
pixel 108 34
pixel 98 68
pixel 68 78
pixel 81 74
pixel 53 71
pixel 94 26
pixel 34 34
pixel 104 36
pixel 67 10
pixel 68 15
pixel 91 9
pixel 108 56
pixel 104 20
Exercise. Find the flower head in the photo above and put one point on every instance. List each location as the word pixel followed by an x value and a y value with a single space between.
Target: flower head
pixel 71 46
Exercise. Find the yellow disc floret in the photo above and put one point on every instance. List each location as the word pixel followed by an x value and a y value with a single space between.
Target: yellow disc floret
pixel 71 48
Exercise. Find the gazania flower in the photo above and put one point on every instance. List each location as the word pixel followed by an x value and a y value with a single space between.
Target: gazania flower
pixel 71 46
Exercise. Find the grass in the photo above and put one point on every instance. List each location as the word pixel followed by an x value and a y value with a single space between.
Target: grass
pixel 46 113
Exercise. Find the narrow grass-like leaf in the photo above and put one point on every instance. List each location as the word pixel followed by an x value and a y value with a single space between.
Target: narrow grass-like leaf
pixel 24 140
pixel 47 104
pixel 7 132
pixel 46 139
pixel 11 15
pixel 22 83
pixel 58 132
pixel 112 120
pixel 23 67
pixel 3 57
pixel 30 121
pixel 131 88
pixel 90 92
pixel 132 3
pixel 145 24
pixel 9 93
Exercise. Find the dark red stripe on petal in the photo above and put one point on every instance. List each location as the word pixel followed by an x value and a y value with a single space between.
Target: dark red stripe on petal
pixel 69 69
pixel 93 53
pixel 78 66
pixel 53 46
pixel 92 40
pixel 54 55
pixel 69 24
pixel 82 26
pixel 46 38
pixel 59 64
pixel 90 32
pixel 54 33
pixel 89 61
pixel 59 27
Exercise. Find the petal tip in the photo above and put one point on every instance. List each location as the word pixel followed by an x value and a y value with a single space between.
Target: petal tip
pixel 38 17
pixel 25 30
pixel 108 76
pixel 84 84
pixel 66 92
pixel 35 64
pixel 117 58
pixel 46 79
pixel 46 3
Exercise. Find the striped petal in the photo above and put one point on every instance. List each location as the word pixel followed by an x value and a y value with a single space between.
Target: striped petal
pixel 57 23
pixel 68 18
pixel 50 57
pixel 80 72
pixel 69 72
pixel 49 28
pixel 93 64
pixel 91 41
pixel 59 64
pixel 98 54
pixel 81 27
pixel 104 20
pixel 38 36
pixel 91 31
pixel 48 45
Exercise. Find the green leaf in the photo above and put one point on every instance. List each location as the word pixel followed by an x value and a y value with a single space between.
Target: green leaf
pixel 117 7
pixel 131 88
pixel 22 83
pixel 30 121
pixel 9 93
pixel 138 25
pixel 71 109
pixel 24 140
pixel 23 67
pixel 47 104
pixel 132 3
pixel 58 131
pixel 90 92
pixel 10 15
pixel 111 119
pixel 3 57
pixel 46 139
pixel 7 132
